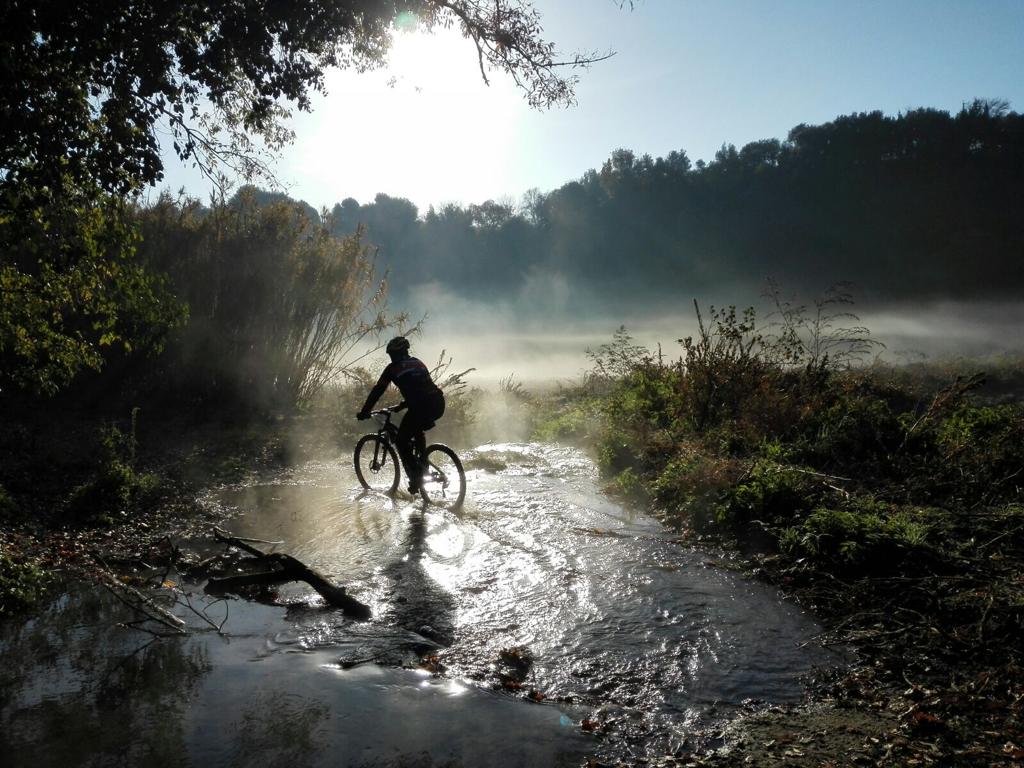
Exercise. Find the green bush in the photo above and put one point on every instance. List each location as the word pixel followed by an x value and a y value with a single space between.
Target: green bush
pixel 617 452
pixel 22 584
pixel 646 398
pixel 855 434
pixel 982 453
pixel 691 484
pixel 116 487
pixel 756 432
pixel 8 506
pixel 769 493
pixel 629 483
pixel 574 422
pixel 864 534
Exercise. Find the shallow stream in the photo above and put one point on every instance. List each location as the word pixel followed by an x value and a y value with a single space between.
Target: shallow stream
pixel 554 623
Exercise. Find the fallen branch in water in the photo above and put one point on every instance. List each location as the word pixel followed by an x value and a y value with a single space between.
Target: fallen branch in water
pixel 137 601
pixel 283 568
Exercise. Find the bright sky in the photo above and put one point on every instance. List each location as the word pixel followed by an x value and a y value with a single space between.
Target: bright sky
pixel 687 74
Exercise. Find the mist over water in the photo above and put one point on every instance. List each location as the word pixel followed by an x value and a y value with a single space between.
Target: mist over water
pixel 540 340
pixel 949 329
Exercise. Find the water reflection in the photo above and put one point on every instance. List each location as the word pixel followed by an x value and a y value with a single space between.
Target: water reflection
pixel 287 730
pixel 75 683
pixel 615 615
pixel 414 599
pixel 79 690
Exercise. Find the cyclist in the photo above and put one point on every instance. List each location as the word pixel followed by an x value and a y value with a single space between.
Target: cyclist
pixel 420 395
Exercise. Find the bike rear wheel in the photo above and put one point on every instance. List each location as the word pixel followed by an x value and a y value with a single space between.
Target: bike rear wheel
pixel 444 479
pixel 376 464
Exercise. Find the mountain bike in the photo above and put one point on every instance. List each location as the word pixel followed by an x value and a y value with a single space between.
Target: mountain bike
pixel 376 460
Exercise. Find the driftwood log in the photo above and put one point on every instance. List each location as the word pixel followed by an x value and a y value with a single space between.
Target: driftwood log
pixel 281 568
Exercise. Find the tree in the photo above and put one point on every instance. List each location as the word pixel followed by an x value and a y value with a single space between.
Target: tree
pixel 71 288
pixel 920 204
pixel 278 303
pixel 89 85
pixel 491 215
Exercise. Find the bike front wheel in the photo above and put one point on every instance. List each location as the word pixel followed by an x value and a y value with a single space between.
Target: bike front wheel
pixel 444 479
pixel 376 464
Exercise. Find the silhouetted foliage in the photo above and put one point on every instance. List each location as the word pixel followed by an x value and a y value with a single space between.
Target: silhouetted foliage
pixel 88 87
pixel 72 290
pixel 276 301
pixel 922 204
pixel 88 90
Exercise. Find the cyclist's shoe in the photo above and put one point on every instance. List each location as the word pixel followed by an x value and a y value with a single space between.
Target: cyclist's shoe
pixel 414 488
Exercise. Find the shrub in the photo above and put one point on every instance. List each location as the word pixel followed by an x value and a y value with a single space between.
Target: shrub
pixel 982 453
pixel 856 433
pixel 617 452
pixel 628 483
pixel 768 493
pixel 692 483
pixel 116 487
pixel 22 584
pixel 277 303
pixel 722 367
pixel 574 422
pixel 767 426
pixel 864 534
pixel 8 506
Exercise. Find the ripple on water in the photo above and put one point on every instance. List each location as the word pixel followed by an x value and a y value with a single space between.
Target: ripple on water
pixel 614 614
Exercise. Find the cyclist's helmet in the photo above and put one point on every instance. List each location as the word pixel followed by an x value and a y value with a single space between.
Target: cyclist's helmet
pixel 398 345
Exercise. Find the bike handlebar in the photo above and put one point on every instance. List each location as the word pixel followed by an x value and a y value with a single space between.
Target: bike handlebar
pixel 386 412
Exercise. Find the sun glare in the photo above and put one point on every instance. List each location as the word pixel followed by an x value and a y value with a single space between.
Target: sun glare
pixel 425 127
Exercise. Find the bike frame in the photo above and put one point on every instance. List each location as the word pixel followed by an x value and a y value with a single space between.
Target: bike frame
pixel 387 438
pixel 388 433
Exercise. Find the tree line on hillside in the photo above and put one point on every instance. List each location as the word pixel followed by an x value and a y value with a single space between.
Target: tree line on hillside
pixel 923 204
pixel 251 298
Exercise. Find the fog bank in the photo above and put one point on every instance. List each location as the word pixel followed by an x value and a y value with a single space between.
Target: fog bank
pixel 540 344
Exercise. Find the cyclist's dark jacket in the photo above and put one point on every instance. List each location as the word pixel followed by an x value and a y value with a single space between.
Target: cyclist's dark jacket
pixel 412 377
